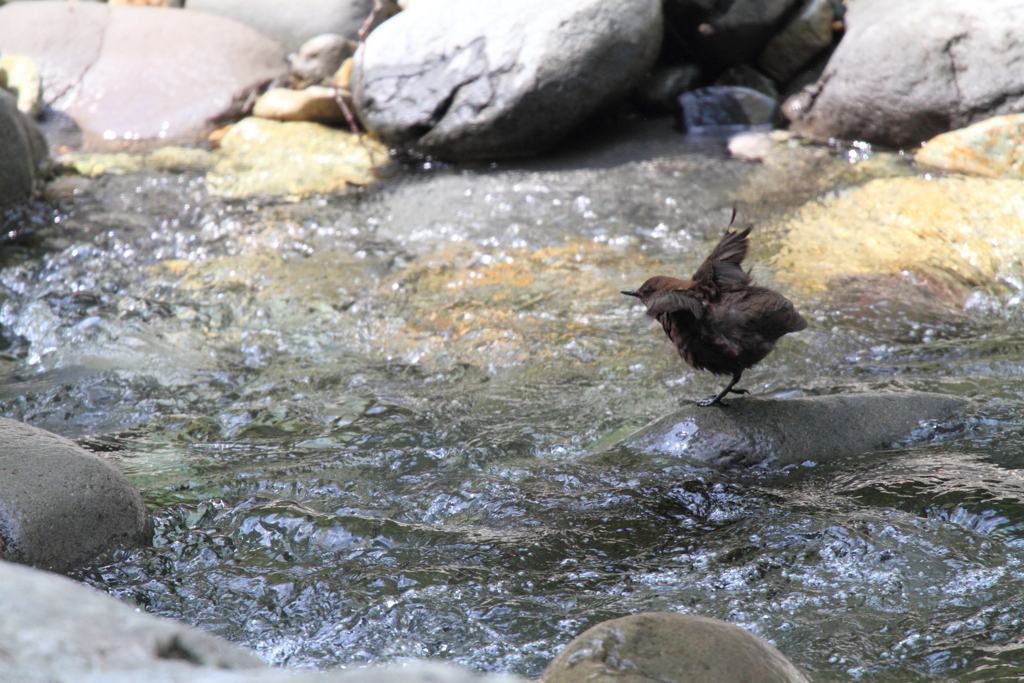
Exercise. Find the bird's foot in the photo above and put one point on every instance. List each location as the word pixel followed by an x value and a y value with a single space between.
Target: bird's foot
pixel 738 391
pixel 710 401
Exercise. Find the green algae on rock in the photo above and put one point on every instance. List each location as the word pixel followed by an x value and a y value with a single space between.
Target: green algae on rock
pixel 993 148
pixel 170 159
pixel 294 158
pixel 671 648
pixel 965 231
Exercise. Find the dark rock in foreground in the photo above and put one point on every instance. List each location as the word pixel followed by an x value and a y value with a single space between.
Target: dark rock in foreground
pixel 789 430
pixel 22 153
pixel 60 505
pixel 463 79
pixel 669 648
pixel 908 70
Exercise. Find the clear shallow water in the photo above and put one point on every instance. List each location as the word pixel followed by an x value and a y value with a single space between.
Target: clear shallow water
pixel 358 422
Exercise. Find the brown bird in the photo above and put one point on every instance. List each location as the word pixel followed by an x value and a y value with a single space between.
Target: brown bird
pixel 719 321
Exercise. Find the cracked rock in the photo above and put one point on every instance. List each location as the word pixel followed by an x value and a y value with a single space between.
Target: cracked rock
pixel 908 70
pixel 463 79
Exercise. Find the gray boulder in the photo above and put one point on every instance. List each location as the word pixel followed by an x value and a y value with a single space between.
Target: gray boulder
pixel 292 22
pixel 137 74
pixel 737 30
pixel 60 505
pixel 463 79
pixel 786 430
pixel 806 35
pixel 670 648
pixel 22 153
pixel 59 631
pixel 907 70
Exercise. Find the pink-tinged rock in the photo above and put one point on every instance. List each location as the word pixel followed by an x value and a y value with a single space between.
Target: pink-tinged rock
pixel 993 148
pixel 140 74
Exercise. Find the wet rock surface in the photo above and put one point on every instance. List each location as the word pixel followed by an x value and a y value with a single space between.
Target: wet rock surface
pixel 465 80
pixel 721 109
pixel 961 63
pixel 259 156
pixel 118 75
pixel 992 148
pixel 670 648
pixel 59 504
pixel 754 430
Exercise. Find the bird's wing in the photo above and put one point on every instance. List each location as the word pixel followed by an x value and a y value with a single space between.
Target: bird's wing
pixel 676 300
pixel 721 270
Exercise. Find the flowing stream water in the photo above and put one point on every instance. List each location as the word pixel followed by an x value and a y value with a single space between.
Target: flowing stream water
pixel 359 421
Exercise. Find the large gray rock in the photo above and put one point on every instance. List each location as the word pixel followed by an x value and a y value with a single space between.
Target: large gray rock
pixel 60 505
pixel 22 153
pixel 58 631
pixel 670 648
pixel 464 79
pixel 787 430
pixel 130 74
pixel 907 70
pixel 292 22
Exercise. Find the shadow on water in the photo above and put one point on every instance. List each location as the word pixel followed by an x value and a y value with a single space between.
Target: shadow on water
pixel 358 422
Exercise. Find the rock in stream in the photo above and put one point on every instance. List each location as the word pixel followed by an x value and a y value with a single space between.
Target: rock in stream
pixel 788 430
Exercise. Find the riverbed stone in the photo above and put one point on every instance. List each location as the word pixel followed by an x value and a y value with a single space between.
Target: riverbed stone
pixel 293 158
pixel 315 103
pixel 60 505
pixel 657 94
pixel 462 79
pixel 747 76
pixel 964 231
pixel 118 72
pixel 23 155
pixel 755 430
pixel 722 108
pixel 319 58
pixel 57 630
pixel 292 22
pixel 994 148
pixel 736 31
pixel 908 70
pixel 20 75
pixel 670 648
pixel 808 33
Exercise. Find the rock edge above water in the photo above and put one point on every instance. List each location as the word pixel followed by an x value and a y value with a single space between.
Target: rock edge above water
pixel 788 430
pixel 60 505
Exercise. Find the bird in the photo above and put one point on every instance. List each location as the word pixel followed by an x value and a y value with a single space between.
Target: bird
pixel 719 320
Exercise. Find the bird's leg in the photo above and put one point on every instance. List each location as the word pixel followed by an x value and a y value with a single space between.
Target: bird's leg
pixel 717 400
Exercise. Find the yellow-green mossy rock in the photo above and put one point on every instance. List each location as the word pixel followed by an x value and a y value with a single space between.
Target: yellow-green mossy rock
pixel 670 648
pixel 993 148
pixel 21 76
pixel 295 158
pixel 170 159
pixel 966 231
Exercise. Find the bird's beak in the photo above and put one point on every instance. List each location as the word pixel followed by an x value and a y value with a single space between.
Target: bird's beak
pixel 632 292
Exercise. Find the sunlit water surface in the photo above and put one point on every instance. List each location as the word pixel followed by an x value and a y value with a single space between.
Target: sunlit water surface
pixel 358 422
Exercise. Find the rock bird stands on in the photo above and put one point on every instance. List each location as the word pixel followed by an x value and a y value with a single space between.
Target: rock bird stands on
pixel 719 321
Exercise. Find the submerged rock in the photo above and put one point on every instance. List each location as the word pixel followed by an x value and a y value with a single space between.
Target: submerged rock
pixel 59 504
pixel 670 648
pixel 296 158
pixel 724 108
pixel 788 430
pixel 462 79
pixel 993 148
pixel 136 74
pixel 966 231
pixel 906 71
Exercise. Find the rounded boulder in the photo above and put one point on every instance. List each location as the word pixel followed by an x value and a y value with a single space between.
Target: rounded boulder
pixel 670 648
pixel 61 505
